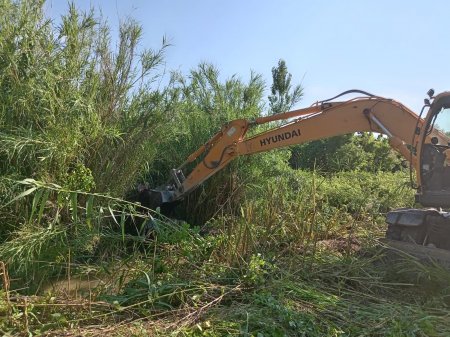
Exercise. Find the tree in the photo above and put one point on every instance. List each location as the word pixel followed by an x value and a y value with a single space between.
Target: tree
pixel 360 152
pixel 318 154
pixel 283 96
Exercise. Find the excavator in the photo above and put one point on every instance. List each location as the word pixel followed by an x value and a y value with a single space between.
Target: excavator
pixel 421 139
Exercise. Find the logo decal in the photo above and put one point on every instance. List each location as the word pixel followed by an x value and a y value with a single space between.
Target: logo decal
pixel 280 137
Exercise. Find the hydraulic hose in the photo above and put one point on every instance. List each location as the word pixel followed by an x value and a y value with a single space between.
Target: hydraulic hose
pixel 351 91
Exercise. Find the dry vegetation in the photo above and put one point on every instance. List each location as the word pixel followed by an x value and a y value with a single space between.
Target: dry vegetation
pixel 263 249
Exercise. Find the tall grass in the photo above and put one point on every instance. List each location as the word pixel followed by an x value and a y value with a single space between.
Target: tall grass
pixel 266 250
pixel 77 112
pixel 68 99
pixel 205 103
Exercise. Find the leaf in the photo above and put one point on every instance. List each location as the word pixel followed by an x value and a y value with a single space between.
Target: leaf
pixel 112 215
pixel 89 208
pixel 122 225
pixel 55 186
pixel 60 198
pixel 21 195
pixel 36 199
pixel 74 205
pixel 28 181
pixel 42 206
pixel 25 193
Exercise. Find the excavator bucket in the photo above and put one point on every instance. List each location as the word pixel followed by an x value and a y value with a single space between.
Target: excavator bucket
pixel 154 198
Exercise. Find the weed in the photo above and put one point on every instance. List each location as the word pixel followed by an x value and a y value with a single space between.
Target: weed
pixel 264 250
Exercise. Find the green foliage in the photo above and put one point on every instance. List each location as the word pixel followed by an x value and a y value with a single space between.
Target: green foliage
pixel 76 113
pixel 361 152
pixel 68 100
pixel 203 105
pixel 274 251
pixel 283 97
pixel 80 178
pixel 258 270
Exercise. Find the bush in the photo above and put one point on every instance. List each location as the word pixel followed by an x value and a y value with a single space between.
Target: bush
pixel 361 152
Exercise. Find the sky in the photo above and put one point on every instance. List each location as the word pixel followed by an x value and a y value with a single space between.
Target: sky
pixel 397 49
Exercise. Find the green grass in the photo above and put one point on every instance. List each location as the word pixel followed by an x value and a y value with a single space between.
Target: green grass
pixel 326 294
pixel 264 250
pixel 286 265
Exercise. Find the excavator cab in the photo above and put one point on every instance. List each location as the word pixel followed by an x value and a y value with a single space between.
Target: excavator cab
pixel 433 148
pixel 428 229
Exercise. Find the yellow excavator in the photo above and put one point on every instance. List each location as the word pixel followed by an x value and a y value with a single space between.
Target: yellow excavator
pixel 424 141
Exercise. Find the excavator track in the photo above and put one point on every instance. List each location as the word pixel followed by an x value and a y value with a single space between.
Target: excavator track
pixel 421 233
pixel 427 255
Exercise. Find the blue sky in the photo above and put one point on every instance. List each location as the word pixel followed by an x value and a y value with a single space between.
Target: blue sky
pixel 397 49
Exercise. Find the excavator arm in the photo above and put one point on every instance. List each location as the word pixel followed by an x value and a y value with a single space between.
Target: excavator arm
pixel 323 119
